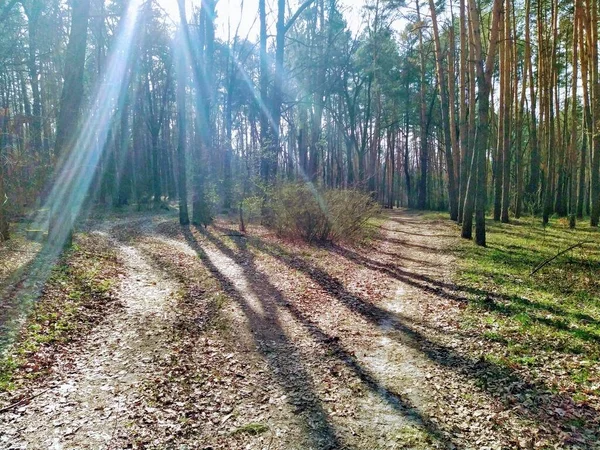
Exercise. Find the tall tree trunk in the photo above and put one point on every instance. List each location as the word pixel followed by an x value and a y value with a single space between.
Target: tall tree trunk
pixel 469 158
pixel 4 227
pixel 448 124
pixel 61 216
pixel 33 13
pixel 484 82
pixel 424 154
pixel 595 168
pixel 507 107
pixel 203 69
pixel 274 145
pixel 184 218
pixel 534 163
pixel 587 116
pixel 574 120
pixel 550 140
pixel 227 157
pixel 265 163
pixel 519 115
pixel 465 160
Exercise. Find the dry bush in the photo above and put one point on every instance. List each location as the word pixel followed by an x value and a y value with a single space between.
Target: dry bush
pixel 318 215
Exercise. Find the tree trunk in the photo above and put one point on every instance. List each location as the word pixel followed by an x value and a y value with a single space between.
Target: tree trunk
pixel 61 216
pixel 484 78
pixel 595 168
pixel 507 107
pixel 4 227
pixel 184 218
pixel 265 163
pixel 465 161
pixel 33 13
pixel 447 123
pixel 424 154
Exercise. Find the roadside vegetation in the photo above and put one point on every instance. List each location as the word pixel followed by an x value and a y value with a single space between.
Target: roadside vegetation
pixel 303 211
pixel 75 297
pixel 538 316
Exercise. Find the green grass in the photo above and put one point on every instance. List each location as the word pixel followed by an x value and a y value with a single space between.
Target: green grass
pixel 253 429
pixel 551 318
pixel 435 215
pixel 79 284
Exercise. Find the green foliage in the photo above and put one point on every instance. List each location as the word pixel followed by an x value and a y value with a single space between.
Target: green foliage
pixel 552 317
pixel 252 209
pixel 317 215
pixel 81 283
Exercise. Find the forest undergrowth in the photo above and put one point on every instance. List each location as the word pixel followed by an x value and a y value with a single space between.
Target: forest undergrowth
pixel 539 316
pixel 411 339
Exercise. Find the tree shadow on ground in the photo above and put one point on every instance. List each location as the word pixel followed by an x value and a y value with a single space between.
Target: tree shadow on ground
pixel 494 301
pixel 421 263
pixel 535 401
pixel 20 290
pixel 282 356
pixel 391 230
pixel 280 365
pixel 407 243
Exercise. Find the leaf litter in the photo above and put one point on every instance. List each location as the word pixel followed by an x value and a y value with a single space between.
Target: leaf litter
pixel 260 343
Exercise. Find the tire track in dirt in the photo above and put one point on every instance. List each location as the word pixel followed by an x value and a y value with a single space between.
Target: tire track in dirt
pixel 84 407
pixel 337 397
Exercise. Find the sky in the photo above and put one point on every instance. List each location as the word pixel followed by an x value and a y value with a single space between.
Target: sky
pixel 230 13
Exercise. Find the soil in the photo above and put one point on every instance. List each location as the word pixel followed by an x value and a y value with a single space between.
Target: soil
pixel 248 341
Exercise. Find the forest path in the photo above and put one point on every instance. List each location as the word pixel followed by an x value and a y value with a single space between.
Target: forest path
pixel 294 347
pixel 330 347
pixel 84 404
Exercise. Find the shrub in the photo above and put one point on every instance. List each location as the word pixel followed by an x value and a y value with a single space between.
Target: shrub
pixel 312 214
pixel 252 209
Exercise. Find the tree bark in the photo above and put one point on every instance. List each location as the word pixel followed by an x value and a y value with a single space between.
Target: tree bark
pixel 484 81
pixel 448 124
pixel 507 107
pixel 595 168
pixel 61 215
pixel 424 154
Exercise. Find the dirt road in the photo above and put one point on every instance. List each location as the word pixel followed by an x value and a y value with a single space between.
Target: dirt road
pixel 229 341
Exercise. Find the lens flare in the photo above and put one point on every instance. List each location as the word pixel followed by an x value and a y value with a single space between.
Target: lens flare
pixel 77 168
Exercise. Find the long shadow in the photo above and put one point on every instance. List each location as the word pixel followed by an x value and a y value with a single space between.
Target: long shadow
pixel 526 259
pixel 535 400
pixel 270 338
pixel 416 234
pixel 20 291
pixel 494 301
pixel 403 258
pixel 406 243
pixel 403 221
pixel 457 292
pixel 261 283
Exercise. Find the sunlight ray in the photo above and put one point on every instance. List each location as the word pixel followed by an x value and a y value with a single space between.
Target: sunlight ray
pixel 72 183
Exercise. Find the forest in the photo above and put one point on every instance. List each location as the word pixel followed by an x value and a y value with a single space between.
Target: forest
pixel 299 224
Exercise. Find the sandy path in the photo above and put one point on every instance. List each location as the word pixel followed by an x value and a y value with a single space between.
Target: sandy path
pixel 324 348
pixel 85 405
pixel 340 379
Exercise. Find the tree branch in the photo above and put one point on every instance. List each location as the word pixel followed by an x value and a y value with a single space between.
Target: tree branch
pixel 293 19
pixel 548 261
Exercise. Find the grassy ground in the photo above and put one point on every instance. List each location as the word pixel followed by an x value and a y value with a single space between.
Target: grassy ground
pixel 545 325
pixel 74 298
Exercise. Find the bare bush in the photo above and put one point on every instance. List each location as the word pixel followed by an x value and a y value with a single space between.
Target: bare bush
pixel 318 215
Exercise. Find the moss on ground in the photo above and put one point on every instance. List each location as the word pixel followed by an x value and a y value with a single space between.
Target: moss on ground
pixel 73 299
pixel 548 323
